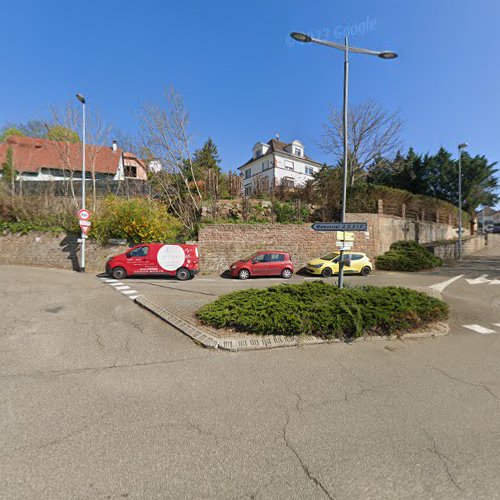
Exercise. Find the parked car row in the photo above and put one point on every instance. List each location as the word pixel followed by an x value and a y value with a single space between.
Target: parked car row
pixel 182 262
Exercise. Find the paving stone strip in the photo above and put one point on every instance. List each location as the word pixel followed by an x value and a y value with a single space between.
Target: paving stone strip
pixel 253 342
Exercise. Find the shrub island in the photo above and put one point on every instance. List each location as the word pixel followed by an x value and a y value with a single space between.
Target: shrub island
pixel 322 310
pixel 407 256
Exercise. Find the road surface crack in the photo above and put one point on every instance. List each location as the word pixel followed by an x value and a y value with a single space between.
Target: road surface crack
pixel 290 446
pixel 466 382
pixel 443 459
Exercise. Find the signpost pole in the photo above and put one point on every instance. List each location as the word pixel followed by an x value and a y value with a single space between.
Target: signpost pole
pixel 344 185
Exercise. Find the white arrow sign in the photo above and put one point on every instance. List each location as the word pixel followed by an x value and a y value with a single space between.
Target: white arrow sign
pixel 479 281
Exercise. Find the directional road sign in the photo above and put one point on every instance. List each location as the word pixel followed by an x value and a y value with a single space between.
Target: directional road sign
pixel 340 226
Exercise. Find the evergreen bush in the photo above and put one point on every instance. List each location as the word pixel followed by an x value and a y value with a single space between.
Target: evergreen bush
pixel 323 310
pixel 407 256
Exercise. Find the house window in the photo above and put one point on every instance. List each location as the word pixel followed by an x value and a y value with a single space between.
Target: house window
pixel 289 164
pixel 248 190
pixel 265 165
pixel 288 182
pixel 297 151
pixel 309 171
pixel 248 173
pixel 130 171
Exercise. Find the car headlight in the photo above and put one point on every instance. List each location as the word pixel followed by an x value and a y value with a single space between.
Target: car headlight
pixel 233 266
pixel 315 266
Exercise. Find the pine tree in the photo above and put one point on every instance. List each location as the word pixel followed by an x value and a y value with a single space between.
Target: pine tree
pixel 206 167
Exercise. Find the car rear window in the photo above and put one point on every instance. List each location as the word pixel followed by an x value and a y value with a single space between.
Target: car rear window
pixel 277 257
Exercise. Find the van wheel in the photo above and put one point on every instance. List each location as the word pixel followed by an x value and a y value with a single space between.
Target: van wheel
pixel 244 274
pixel 365 271
pixel 119 273
pixel 286 273
pixel 327 272
pixel 182 274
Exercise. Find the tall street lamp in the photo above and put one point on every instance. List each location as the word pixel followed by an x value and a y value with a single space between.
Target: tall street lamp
pixel 82 100
pixel 461 147
pixel 301 37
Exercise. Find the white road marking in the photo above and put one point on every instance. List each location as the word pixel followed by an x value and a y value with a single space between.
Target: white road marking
pixel 124 287
pixel 128 292
pixel 480 329
pixel 495 282
pixel 478 281
pixel 441 286
pixel 116 284
pixel 496 324
pixel 133 297
pixel 107 280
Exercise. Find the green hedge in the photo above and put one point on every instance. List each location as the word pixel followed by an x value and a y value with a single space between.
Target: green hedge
pixel 407 256
pixel 323 310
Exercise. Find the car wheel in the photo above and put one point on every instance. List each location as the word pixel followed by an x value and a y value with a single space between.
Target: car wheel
pixel 182 274
pixel 327 272
pixel 365 271
pixel 244 274
pixel 119 273
pixel 286 273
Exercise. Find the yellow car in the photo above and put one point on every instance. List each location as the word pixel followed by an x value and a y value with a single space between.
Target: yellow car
pixel 356 263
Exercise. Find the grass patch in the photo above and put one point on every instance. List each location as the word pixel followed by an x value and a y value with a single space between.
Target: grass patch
pixel 323 310
pixel 407 256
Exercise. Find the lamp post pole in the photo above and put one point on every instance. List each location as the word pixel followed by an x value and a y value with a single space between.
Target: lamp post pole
pixel 301 37
pixel 83 236
pixel 460 148
pixel 346 154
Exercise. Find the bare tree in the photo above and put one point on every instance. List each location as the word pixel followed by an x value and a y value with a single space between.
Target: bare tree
pixel 372 132
pixel 96 136
pixel 166 138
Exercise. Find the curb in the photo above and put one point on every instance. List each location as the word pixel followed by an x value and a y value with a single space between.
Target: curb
pixel 204 338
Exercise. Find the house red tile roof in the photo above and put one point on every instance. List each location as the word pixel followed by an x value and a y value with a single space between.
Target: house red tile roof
pixel 31 154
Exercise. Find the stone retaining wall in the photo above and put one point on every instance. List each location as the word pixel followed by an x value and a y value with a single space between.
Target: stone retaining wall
pixel 54 250
pixel 222 244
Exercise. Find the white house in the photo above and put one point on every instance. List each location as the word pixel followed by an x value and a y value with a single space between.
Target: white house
pixel 277 163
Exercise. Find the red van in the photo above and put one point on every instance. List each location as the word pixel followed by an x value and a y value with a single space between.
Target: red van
pixel 270 263
pixel 155 258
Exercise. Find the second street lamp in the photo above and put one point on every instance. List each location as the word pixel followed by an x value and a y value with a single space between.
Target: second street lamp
pixel 301 37
pixel 461 147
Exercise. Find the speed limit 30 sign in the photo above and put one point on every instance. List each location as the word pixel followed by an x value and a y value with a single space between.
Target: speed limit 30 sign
pixel 83 214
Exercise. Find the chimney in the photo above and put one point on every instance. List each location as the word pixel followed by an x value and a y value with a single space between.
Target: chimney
pixel 278 136
pixel 115 146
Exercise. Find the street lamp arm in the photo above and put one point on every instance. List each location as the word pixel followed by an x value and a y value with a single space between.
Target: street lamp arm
pixel 339 46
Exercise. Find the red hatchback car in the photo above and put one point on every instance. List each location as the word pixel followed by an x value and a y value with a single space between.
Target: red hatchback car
pixel 263 264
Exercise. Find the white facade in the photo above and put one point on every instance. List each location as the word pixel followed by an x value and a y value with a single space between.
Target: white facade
pixel 277 164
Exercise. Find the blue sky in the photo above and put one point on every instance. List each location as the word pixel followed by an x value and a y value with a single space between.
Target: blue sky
pixel 242 79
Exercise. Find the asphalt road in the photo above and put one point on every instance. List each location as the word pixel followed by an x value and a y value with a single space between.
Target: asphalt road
pixel 99 399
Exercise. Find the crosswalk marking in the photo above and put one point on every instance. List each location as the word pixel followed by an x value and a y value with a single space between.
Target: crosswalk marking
pixel 116 283
pixel 479 329
pixel 124 287
pixel 133 297
pixel 128 292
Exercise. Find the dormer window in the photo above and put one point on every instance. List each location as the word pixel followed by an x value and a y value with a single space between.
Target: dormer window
pixel 297 151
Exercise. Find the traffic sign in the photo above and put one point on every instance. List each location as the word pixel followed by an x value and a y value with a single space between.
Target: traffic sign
pixel 345 236
pixel 340 226
pixel 85 226
pixel 84 214
pixel 344 244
